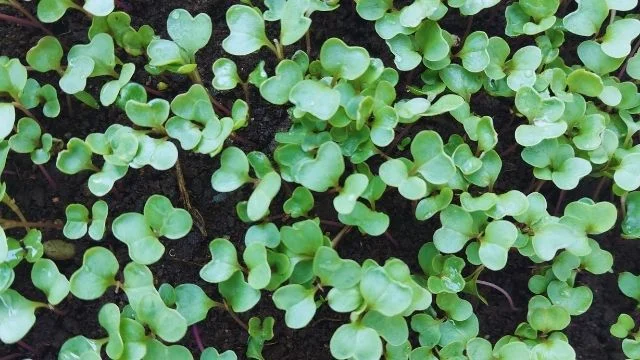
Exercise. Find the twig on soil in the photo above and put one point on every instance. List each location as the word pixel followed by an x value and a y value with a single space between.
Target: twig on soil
pixel 33 22
pixel 186 200
pixel 196 335
pixel 501 290
pixel 11 203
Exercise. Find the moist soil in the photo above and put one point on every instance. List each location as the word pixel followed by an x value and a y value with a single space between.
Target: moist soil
pixel 588 333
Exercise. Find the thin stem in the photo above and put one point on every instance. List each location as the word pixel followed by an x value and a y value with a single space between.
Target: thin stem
pixel 596 194
pixel 197 79
pixel 17 20
pixel 400 136
pixel 279 49
pixel 26 111
pixel 235 317
pixel 196 335
pixel 336 240
pixel 16 5
pixel 467 30
pixel 634 51
pixel 247 97
pixel 240 139
pixel 331 223
pixel 154 91
pixel 539 186
pixel 186 200
pixel 12 224
pixel 307 39
pixel 11 203
pixel 26 346
pixel 387 234
pixel 45 173
pixel 501 290
pixel 511 149
pixel 563 193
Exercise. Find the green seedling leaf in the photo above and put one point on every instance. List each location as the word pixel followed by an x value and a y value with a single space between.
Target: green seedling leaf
pixel 223 264
pixel 255 256
pixel 213 354
pixel 334 271
pixel 406 56
pixel 585 83
pixel 368 221
pixel 109 92
pixel 575 300
pixel 498 238
pixel 194 105
pixel 592 56
pixel 626 175
pixel 354 186
pixel 629 284
pixel 247 31
pixel 302 238
pixel 76 158
pixel 233 172
pixel 97 273
pixel 298 303
pixel 8 113
pixel 431 161
pixel 555 236
pixel 190 33
pixel 456 308
pixel 322 172
pixel 79 347
pixel 458 226
pixel 355 341
pixel 474 54
pixel 460 80
pixel 152 114
pixel 17 316
pixel 46 55
pixel 382 293
pixel 545 317
pixel 616 41
pixel 631 222
pixel 165 53
pixel 276 89
pixel 587 18
pixel 521 69
pixel 28 137
pixel 305 96
pixel 192 303
pixel 623 326
pixel 240 295
pixel 343 61
pixel 294 22
pixel 102 182
pixel 75 77
pixel 300 202
pixel 46 277
pixel 225 74
pixel 99 7
pixel 266 234
pixel 50 11
pixel 13 77
pixel 99 212
pixel 260 199
pixel 593 218
pixel 77 221
pixel 109 319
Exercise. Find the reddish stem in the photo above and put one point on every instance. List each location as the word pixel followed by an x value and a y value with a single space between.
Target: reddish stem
pixel 45 173
pixel 501 290
pixel 390 238
pixel 19 21
pixel 153 91
pixel 26 346
pixel 563 193
pixel 196 335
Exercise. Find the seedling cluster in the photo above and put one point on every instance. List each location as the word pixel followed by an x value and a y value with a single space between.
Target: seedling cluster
pixel 358 131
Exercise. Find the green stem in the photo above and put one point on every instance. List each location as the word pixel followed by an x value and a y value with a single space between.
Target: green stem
pixel 11 203
pixel 336 240
pixel 7 224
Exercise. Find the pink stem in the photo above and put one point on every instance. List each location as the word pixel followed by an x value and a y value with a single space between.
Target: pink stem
pixel 26 346
pixel 501 290
pixel 19 21
pixel 52 183
pixel 196 335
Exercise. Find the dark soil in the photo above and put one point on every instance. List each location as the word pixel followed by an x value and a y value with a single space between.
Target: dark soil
pixel 588 333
